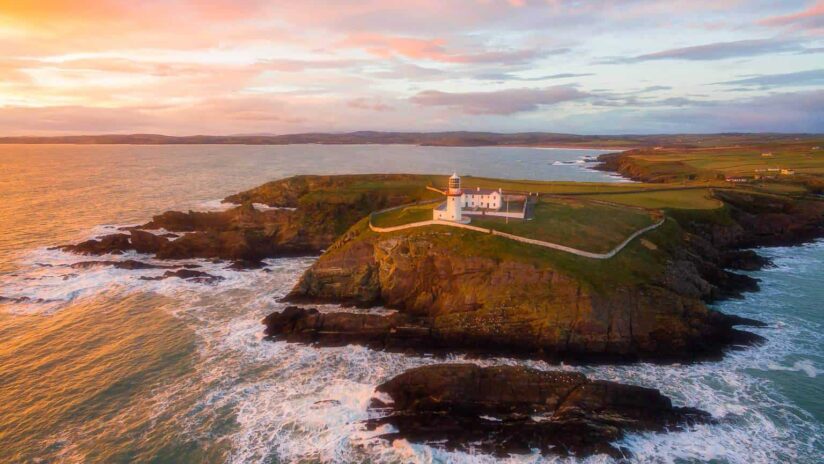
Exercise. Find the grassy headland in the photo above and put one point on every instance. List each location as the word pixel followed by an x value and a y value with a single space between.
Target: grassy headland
pixel 774 165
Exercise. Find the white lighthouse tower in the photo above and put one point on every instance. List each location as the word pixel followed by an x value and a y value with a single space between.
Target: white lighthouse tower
pixel 453 199
pixel 451 210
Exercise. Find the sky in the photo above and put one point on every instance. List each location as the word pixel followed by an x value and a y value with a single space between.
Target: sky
pixel 185 67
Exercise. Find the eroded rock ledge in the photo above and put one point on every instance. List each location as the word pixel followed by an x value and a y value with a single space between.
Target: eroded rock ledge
pixel 408 333
pixel 509 409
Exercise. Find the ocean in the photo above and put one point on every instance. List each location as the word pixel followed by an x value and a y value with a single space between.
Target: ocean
pixel 97 365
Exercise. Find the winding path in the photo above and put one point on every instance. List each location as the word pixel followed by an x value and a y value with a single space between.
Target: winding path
pixel 554 246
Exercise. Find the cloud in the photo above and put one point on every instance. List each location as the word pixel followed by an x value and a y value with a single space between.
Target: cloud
pixel 371 104
pixel 262 66
pixel 800 78
pixel 404 70
pixel 655 88
pixel 785 112
pixel 388 46
pixel 498 76
pixel 811 19
pixel 499 102
pixel 716 51
pixel 292 65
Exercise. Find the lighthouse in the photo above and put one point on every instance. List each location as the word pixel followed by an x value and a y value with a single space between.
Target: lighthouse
pixel 452 209
pixel 453 199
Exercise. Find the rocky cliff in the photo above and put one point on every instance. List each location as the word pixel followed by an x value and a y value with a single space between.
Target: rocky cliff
pixel 471 291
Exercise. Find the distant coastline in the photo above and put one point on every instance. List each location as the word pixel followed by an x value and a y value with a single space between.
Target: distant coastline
pixel 453 139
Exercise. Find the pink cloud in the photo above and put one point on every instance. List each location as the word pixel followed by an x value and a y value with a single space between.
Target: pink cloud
pixel 292 65
pixel 387 46
pixel 811 19
pixel 372 104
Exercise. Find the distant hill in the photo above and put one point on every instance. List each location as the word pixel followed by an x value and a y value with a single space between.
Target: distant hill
pixel 455 139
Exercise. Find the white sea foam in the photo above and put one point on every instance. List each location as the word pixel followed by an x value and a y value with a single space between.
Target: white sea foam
pixel 214 205
pixel 806 366
pixel 265 207
pixel 219 205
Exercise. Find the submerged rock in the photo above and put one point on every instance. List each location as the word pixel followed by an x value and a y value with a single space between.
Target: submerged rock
pixel 509 409
pixel 127 264
pixel 187 274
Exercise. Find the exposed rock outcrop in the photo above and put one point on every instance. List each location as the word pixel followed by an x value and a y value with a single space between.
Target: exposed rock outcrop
pixel 508 409
pixel 129 264
pixel 113 243
pixel 490 336
pixel 187 274
pixel 308 213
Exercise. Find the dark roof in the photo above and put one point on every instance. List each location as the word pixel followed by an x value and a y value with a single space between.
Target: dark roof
pixel 480 191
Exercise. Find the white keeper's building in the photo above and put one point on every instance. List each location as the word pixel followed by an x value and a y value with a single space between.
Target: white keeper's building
pixel 457 199
pixel 482 198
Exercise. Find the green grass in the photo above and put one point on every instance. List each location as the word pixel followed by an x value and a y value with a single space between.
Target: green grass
pixel 736 160
pixel 638 263
pixel 673 199
pixel 405 215
pixel 781 188
pixel 537 186
pixel 577 223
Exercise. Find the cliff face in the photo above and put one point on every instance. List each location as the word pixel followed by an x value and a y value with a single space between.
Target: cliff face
pixel 451 289
pixel 470 300
pixel 762 220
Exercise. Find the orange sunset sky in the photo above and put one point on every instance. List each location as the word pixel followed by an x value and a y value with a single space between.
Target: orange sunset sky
pixel 226 67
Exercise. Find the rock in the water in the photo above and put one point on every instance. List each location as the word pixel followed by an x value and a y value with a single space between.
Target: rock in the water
pixel 127 264
pixel 113 243
pixel 187 274
pixel 509 409
pixel 147 242
pixel 301 325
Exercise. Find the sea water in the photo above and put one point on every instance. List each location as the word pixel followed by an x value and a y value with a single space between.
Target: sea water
pixel 98 365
